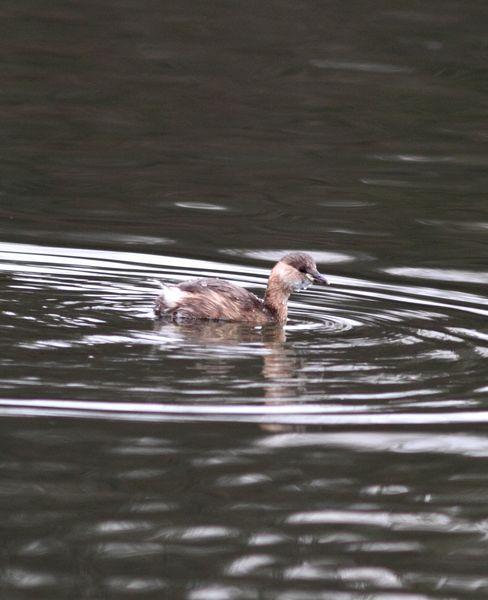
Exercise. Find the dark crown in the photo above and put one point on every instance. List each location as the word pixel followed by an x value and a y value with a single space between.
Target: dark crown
pixel 300 260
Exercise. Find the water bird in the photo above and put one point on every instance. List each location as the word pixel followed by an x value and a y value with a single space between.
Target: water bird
pixel 219 300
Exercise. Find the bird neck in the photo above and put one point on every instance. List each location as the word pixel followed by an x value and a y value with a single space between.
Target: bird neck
pixel 276 298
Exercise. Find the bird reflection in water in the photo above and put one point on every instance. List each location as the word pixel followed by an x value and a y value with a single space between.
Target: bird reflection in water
pixel 281 364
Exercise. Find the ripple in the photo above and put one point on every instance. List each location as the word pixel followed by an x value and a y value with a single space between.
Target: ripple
pixel 28 579
pixel 413 158
pixel 359 352
pixel 126 584
pixel 394 521
pixel 247 565
pixel 463 444
pixel 286 413
pixel 274 255
pixel 346 203
pixel 441 274
pixel 200 206
pixel 200 533
pixel 346 65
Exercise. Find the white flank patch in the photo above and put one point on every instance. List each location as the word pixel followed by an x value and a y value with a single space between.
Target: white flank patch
pixel 172 295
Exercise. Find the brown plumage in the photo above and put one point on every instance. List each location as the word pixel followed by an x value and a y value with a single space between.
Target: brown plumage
pixel 215 299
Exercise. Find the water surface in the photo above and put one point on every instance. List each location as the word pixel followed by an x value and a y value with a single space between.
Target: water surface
pixel 341 458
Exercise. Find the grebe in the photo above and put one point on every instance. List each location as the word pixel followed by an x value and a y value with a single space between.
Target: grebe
pixel 215 299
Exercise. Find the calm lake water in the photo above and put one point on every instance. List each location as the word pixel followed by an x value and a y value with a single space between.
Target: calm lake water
pixel 344 458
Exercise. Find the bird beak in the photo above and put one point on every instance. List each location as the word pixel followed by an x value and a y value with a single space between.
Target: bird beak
pixel 317 278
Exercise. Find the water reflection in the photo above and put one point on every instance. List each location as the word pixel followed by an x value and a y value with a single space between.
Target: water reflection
pixel 280 362
pixel 303 508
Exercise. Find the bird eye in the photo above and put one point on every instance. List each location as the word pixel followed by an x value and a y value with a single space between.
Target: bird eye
pixel 302 269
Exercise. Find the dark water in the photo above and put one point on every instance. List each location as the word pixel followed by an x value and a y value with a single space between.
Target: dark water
pixel 344 458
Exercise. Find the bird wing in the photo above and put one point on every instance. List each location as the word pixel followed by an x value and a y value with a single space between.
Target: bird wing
pixel 218 299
